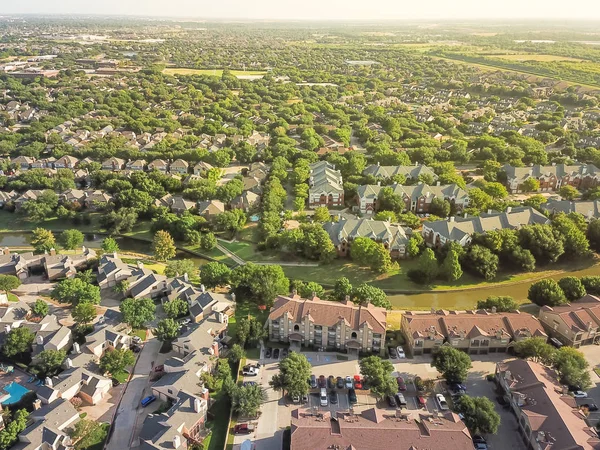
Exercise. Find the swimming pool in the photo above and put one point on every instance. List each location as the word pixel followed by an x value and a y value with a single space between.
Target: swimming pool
pixel 15 393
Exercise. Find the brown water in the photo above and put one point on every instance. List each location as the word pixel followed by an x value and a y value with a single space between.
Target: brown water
pixel 467 299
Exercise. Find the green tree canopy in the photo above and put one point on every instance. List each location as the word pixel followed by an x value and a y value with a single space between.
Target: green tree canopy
pixel 42 240
pixel 377 373
pixel 546 292
pixel 166 330
pixel 74 291
pixel 48 362
pixel 294 371
pixel 18 341
pixel 176 308
pixel 137 311
pixel 9 283
pixel 502 303
pixel 40 308
pixel 71 239
pixel 110 245
pixel 479 414
pixel 163 246
pixel 572 287
pixel 214 274
pixel 536 349
pixel 451 363
pixel 116 360
pixel 84 313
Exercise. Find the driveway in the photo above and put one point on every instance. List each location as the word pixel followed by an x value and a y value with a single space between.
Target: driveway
pixel 130 415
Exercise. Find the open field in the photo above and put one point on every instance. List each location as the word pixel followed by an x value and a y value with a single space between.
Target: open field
pixel 213 72
pixel 535 57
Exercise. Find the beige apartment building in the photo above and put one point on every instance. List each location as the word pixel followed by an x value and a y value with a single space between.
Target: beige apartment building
pixel 330 325
pixel 575 324
pixel 475 332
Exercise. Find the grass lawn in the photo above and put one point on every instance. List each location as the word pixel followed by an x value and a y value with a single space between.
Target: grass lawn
pixel 141 333
pixel 218 424
pixel 12 297
pixel 534 57
pixel 253 353
pixel 248 252
pixel 12 222
pixel 215 254
pixel 100 438
pixel 244 310
pixel 121 377
pixel 394 319
pixel 213 72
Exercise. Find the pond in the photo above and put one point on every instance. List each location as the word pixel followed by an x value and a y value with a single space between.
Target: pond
pixel 126 244
pixel 467 299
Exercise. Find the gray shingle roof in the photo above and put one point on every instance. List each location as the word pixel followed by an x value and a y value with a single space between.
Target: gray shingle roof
pixel 389 171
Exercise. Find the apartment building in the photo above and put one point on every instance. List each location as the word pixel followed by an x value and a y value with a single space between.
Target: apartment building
pixel 323 324
pixel 475 332
pixel 574 324
pixel 410 173
pixel 325 186
pixel 552 178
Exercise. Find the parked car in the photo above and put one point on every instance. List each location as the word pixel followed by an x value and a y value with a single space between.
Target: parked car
pixel 323 397
pixel 268 352
pixel 136 339
pixel 284 353
pixel 441 400
pixel 250 371
pixel 147 400
pixel 185 321
pixel 313 381
pixel 333 397
pixel 349 384
pixel 322 381
pixel 401 353
pixel 393 353
pixel 352 396
pixel 479 442
pixel 555 342
pixel 339 383
pixel 392 401
pixel 305 398
pixel 422 401
pixel 401 384
pixel 134 348
pixel 276 353
pixel 249 383
pixel 401 400
pixel 357 382
pixel 419 385
pixel 458 387
pixel 330 382
pixel 296 399
pixel 579 394
pixel 590 406
pixel 243 428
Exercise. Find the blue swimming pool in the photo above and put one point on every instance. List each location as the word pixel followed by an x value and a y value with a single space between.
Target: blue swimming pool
pixel 15 393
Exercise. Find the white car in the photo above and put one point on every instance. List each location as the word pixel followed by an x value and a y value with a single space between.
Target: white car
pixel 579 394
pixel 441 400
pixel 401 353
pixel 349 384
pixel 250 370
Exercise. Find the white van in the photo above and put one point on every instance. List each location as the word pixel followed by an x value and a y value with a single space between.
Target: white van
pixel 323 397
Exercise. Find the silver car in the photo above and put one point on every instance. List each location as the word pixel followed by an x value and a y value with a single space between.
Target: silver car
pixel 349 383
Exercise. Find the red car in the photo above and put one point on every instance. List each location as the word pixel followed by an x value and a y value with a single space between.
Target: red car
pixel 357 382
pixel 422 402
pixel 243 428
pixel 401 384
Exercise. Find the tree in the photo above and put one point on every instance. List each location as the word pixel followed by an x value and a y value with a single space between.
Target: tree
pixel 321 214
pixel 572 287
pixel 481 261
pixel 71 239
pixel 42 240
pixel 208 241
pixel 495 190
pixel 233 220
pixel 572 367
pixel 250 330
pixel 110 245
pixel 502 303
pixel 40 308
pixel 85 434
pixel 574 240
pixel 18 341
pixel 163 246
pixel 568 192
pixel 41 208
pixel 311 289
pixel 74 291
pixel 10 434
pixel 176 308
pixel 236 353
pixel 166 330
pixel 137 311
pixel 179 267
pixel 593 234
pixel 246 400
pixel 9 283
pixel 541 241
pixel 377 373
pixel 536 349
pixel 214 274
pixel 451 363
pixel 114 361
pixel 479 414
pixel 341 289
pixel 84 313
pixel 546 292
pixel 428 265
pixel 450 268
pixel 440 207
pixel 530 185
pixel 364 293
pixel 294 370
pixel 415 245
pixel 591 284
pixel 258 283
pixel 48 362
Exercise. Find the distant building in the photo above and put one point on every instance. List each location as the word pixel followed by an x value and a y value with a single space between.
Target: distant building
pixel 325 186
pixel 411 173
pixel 552 178
pixel 574 324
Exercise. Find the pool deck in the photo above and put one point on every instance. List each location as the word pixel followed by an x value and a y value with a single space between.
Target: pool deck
pixel 18 376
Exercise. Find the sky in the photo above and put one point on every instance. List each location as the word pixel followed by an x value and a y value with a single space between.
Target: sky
pixel 342 10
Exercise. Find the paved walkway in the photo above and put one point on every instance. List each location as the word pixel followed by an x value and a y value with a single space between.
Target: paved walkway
pixel 129 417
pixel 233 256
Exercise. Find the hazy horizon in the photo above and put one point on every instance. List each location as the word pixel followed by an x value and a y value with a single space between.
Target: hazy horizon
pixel 329 10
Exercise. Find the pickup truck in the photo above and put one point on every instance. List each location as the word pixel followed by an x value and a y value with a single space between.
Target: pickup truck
pixel 243 428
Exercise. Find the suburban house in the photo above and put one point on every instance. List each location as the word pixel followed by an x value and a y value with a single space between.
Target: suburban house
pixel 111 270
pixel 106 336
pixel 75 381
pixel 55 266
pixel 416 198
pixel 411 173
pixel 393 237
pixel 574 324
pixel 551 178
pixel 318 324
pixel 22 162
pixel 474 332
pixel 211 208
pixel 202 168
pixel 548 418
pixel 159 164
pixel 437 233
pixel 50 335
pixel 48 427
pixel 179 166
pixel 589 209
pixel 66 162
pixel 378 429
pixel 325 186
pixel 113 164
pixel 246 201
pixel 96 199
pixel 137 165
pixel 175 203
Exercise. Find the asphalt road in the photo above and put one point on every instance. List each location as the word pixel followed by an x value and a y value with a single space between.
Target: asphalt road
pixel 130 414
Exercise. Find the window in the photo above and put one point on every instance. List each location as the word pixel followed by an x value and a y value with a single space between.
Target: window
pixel 169 391
pixel 353 335
pixel 296 327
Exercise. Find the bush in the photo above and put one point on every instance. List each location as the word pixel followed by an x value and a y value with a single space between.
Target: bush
pixel 76 402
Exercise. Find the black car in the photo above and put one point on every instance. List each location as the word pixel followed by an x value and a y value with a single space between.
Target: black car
pixel 392 401
pixel 284 353
pixel 501 400
pixel 333 398
pixel 352 396
pixel 115 382
pixel 134 348
pixel 330 382
pixel 322 381
pixel 340 383
pixel 313 381
pixel 276 353
pixel 591 406
pixel 268 352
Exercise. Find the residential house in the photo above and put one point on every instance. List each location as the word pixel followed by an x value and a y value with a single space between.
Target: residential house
pixel 552 178
pixel 252 184
pixel 47 427
pixel 246 201
pixel 31 194
pixel 547 417
pixel 176 204
pixel 416 198
pixel 66 266
pixel 71 196
pixel 319 324
pixel 66 162
pixel 49 335
pixel 258 170
pixel 75 381
pixel 325 186
pixel 137 165
pixel 111 270
pixel 574 324
pixel 144 283
pixel 159 164
pixel 211 208
pixel 460 230
pixel 105 336
pixel 474 332
pixel 393 237
pixel 179 166
pixel 378 429
pixel 589 209
pixel 96 199
pixel 113 164
pixel 7 197
pixel 410 173
pixel 202 168
pixel 22 162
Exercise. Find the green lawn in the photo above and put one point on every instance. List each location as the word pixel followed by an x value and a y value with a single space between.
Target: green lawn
pixel 121 377
pixel 141 333
pixel 12 222
pixel 12 297
pixel 99 438
pixel 245 310
pixel 219 423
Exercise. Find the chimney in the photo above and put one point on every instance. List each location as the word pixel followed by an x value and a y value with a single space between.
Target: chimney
pixel 7 329
pixel 69 363
pixel 493 309
pixel 215 348
pixel 489 211
pixel 377 163
pixel 202 288
pixel 437 184
pixel 52 252
pixel 39 339
pixel 466 215
pixel 186 277
pixel 37 404
pixel 508 209
pixel 76 347
pixel 140 265
pixel 205 394
pixel 48 382
pixel 197 405
pixel 313 294
pixel 451 218
pixel 294 292
pixel 379 183
pixel 176 441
